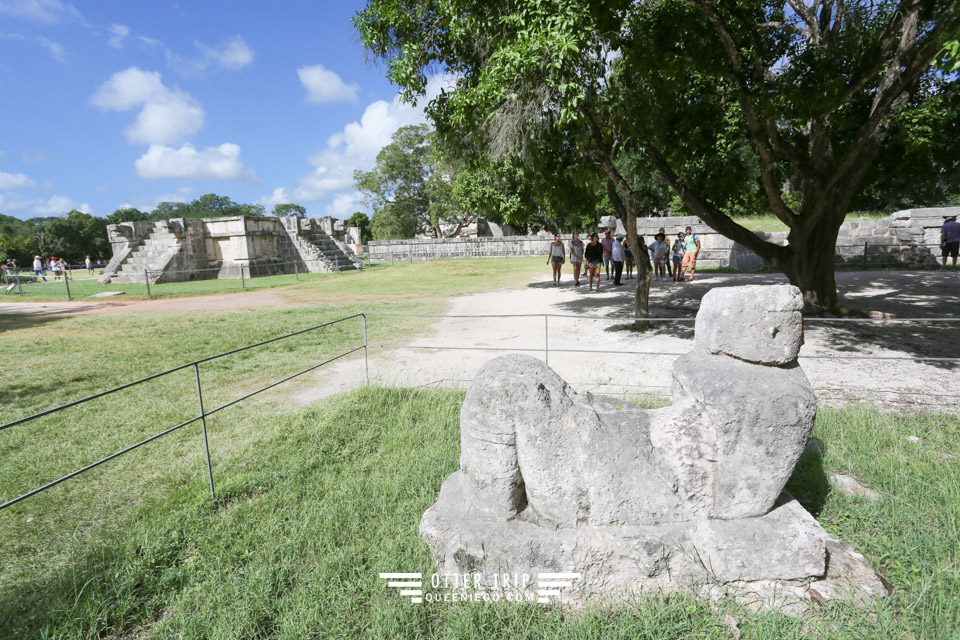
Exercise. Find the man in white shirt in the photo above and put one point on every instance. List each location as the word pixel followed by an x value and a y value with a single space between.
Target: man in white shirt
pixel 38 270
pixel 618 255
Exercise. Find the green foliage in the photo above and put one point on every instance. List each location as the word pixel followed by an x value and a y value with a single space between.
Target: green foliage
pixel 127 214
pixel 412 188
pixel 72 236
pixel 280 210
pixel 362 222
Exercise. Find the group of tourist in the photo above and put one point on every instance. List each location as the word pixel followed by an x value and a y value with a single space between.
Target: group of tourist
pixel 611 252
pixel 58 267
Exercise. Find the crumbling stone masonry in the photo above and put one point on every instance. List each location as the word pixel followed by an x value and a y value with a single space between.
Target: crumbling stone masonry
pixel 183 249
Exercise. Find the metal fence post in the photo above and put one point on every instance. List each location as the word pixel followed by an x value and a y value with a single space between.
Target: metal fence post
pixel 146 280
pixel 66 282
pixel 19 287
pixel 366 361
pixel 203 423
pixel 243 281
pixel 546 339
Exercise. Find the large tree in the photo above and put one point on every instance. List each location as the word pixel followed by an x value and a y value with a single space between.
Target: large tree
pixel 411 188
pixel 798 96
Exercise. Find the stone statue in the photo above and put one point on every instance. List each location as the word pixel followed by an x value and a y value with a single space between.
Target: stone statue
pixel 685 497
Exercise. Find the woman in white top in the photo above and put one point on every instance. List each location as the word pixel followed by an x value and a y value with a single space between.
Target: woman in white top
pixel 557 258
pixel 576 257
pixel 659 251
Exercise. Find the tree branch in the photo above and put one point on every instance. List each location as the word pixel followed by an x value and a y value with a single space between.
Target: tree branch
pixel 756 125
pixel 910 62
pixel 716 219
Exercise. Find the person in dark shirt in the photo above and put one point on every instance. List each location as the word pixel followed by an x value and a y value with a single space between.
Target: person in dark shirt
pixel 950 240
pixel 593 253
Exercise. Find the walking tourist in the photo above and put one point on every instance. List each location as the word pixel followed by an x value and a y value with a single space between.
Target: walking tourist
pixel 607 243
pixel 659 252
pixel 55 267
pixel 618 257
pixel 950 240
pixel 557 258
pixel 593 253
pixel 691 247
pixel 669 268
pixel 576 257
pixel 38 269
pixel 677 255
pixel 89 264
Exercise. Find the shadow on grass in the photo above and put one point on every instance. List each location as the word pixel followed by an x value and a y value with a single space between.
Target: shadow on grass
pixel 808 483
pixel 13 322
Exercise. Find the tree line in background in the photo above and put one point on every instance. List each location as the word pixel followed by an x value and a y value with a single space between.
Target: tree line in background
pixel 804 109
pixel 76 235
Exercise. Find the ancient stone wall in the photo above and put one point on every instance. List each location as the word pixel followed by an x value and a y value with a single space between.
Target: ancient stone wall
pixel 206 248
pixel 909 238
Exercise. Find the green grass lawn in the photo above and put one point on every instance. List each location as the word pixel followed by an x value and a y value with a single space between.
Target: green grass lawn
pixel 83 286
pixel 315 503
pixel 449 277
pixel 770 222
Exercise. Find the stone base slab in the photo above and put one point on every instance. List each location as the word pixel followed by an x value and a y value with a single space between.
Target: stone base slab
pixel 767 561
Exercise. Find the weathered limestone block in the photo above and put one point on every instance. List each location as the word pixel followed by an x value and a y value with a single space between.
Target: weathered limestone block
pixel 688 496
pixel 756 323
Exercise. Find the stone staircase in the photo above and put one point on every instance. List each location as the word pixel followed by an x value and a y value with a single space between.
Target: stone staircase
pixel 322 253
pixel 154 253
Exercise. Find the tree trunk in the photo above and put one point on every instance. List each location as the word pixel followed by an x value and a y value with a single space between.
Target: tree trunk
pixel 810 263
pixel 625 204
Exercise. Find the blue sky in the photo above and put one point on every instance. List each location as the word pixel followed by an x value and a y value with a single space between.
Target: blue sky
pixel 118 103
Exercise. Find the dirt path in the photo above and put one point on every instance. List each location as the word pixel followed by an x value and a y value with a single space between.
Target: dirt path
pixel 219 302
pixel 600 325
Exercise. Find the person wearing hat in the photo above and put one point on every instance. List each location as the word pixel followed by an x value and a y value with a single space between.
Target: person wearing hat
pixel 950 240
pixel 38 268
pixel 617 256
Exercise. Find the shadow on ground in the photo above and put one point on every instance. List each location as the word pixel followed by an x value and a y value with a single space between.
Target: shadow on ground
pixel 901 294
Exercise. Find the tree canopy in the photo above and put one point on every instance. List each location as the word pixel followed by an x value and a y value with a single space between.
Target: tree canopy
pixel 72 236
pixel 784 105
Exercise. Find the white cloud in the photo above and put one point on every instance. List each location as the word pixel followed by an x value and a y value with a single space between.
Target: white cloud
pixel 212 163
pixel 55 205
pixel 279 196
pixel 232 54
pixel 15 181
pixel 345 205
pixel 355 147
pixel 46 12
pixel 54 48
pixel 324 86
pixel 148 203
pixel 120 33
pixel 14 202
pixel 167 115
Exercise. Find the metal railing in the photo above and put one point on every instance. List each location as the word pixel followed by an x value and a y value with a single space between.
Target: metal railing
pixel 366 345
pixel 546 349
pixel 203 413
